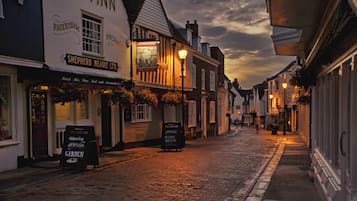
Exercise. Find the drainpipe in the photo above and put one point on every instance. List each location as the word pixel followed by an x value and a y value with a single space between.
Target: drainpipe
pixel 310 120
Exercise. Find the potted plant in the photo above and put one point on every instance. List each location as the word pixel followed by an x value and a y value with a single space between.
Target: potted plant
pixel 67 93
pixel 172 98
pixel 145 96
pixel 122 96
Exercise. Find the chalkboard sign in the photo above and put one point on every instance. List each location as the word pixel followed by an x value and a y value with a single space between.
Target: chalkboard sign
pixel 172 136
pixel 79 148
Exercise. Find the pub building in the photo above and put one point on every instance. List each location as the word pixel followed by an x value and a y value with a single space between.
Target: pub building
pixel 59 70
pixel 86 57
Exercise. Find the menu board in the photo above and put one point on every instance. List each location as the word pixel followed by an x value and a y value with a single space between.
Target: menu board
pixel 171 136
pixel 79 148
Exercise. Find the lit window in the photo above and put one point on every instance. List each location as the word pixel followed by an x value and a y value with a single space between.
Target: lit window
pixel 212 110
pixel 141 112
pixel 192 114
pixel 1 10
pixel 5 106
pixel 91 34
pixel 63 111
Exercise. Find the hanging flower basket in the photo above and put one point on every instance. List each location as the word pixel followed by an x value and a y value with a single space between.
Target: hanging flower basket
pixel 304 100
pixel 145 96
pixel 123 97
pixel 68 93
pixel 172 98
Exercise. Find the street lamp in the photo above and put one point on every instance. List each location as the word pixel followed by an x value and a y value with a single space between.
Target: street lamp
pixel 182 54
pixel 284 123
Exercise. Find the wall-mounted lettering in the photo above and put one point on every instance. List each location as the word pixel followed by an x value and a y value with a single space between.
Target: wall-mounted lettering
pixel 90 63
pixel 108 4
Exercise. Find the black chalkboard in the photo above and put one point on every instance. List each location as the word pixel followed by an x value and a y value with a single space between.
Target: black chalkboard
pixel 172 136
pixel 79 148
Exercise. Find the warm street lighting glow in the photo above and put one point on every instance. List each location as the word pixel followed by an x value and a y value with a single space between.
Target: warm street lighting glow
pixel 271 96
pixel 182 53
pixel 285 85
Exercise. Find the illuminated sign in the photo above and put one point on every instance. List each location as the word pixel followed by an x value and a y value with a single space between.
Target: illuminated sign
pixel 146 55
pixel 90 63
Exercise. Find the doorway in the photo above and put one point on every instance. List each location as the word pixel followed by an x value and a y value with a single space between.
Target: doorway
pixel 204 117
pixel 106 121
pixel 39 124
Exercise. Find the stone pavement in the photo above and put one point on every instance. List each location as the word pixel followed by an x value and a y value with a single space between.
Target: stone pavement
pixel 286 180
pixel 287 175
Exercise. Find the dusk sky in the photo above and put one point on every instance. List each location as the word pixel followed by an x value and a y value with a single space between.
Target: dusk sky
pixel 240 28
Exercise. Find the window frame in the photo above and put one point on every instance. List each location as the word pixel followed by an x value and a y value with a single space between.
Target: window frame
pixel 194 76
pixel 146 113
pixel 212 80
pixel 10 108
pixel 192 113
pixel 203 79
pixel 95 20
pixel 2 16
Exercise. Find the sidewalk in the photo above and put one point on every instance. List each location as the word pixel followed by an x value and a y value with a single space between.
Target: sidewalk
pixel 286 177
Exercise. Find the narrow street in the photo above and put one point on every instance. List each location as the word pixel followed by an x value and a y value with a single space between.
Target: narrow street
pixel 210 169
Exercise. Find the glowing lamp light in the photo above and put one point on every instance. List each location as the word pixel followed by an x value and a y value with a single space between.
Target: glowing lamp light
pixel 271 96
pixel 285 85
pixel 182 53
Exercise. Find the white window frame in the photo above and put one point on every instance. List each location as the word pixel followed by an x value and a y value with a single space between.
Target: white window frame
pixel 1 10
pixel 192 113
pixel 10 108
pixel 194 76
pixel 212 111
pixel 203 79
pixel 141 113
pixel 212 80
pixel 95 40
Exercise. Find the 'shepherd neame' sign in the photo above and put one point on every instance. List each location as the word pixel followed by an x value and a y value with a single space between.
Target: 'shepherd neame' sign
pixel 90 62
pixel 79 148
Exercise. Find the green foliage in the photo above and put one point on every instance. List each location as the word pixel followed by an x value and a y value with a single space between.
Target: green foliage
pixel 145 96
pixel 172 98
pixel 67 93
pixel 122 96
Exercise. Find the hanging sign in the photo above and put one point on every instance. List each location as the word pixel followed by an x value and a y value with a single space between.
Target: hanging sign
pixel 146 55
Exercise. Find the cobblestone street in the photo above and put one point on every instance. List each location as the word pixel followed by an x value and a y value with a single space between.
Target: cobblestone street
pixel 210 169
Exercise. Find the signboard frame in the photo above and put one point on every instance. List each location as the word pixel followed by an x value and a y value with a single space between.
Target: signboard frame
pixel 79 148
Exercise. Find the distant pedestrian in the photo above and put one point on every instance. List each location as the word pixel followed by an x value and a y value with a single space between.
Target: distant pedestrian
pixel 257 125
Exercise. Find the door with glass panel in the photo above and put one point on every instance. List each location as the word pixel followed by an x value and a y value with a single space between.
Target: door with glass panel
pixel 39 124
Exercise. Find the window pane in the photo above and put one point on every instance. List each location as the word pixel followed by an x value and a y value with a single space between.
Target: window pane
pixel 1 10
pixel 62 111
pixel 82 110
pixel 91 34
pixel 5 108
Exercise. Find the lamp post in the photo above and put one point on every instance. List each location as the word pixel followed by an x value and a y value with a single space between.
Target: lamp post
pixel 182 54
pixel 284 123
pixel 271 108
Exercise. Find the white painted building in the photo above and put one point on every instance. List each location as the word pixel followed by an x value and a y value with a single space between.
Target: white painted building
pixel 327 50
pixel 86 54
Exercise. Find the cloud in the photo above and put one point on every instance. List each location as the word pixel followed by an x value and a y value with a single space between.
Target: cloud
pixel 240 28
